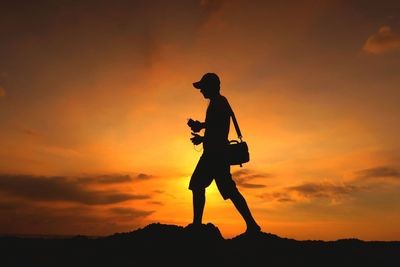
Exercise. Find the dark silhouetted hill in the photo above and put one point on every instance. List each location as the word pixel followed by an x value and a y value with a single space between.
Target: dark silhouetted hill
pixel 170 245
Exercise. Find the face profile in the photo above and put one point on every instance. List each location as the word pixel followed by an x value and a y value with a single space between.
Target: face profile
pixel 206 92
pixel 209 85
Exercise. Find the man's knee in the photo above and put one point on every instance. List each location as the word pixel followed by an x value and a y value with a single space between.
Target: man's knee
pixel 199 192
pixel 235 194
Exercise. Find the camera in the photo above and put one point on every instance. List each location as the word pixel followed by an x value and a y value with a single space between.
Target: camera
pixel 190 123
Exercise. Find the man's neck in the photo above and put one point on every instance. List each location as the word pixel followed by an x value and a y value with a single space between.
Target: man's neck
pixel 216 96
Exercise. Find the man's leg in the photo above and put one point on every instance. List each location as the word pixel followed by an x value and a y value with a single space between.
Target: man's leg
pixel 199 200
pixel 241 205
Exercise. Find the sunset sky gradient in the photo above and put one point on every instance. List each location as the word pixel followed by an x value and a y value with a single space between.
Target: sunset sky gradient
pixel 95 96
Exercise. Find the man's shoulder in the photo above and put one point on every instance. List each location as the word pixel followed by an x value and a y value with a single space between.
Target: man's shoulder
pixel 223 103
pixel 222 100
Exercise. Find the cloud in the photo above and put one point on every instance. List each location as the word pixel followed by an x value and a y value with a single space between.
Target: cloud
pixel 27 217
pixel 156 203
pixel 378 172
pixel 2 91
pixel 105 179
pixel 144 176
pixel 130 212
pixel 250 174
pixel 277 196
pixel 249 185
pixel 325 189
pixel 242 178
pixel 383 41
pixel 36 219
pixel 59 188
pixel 8 205
pixel 310 191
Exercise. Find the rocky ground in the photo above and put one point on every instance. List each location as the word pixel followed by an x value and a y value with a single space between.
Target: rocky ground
pixel 170 245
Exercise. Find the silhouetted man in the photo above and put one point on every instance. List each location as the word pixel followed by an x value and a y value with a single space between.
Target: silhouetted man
pixel 214 164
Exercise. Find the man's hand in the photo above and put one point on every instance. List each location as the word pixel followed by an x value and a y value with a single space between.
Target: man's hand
pixel 196 126
pixel 196 139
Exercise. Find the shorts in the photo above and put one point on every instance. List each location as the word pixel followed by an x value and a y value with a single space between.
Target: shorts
pixel 212 167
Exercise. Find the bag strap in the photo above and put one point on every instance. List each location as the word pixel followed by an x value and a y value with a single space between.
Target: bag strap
pixel 235 123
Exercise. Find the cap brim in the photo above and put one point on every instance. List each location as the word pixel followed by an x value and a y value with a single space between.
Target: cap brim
pixel 197 85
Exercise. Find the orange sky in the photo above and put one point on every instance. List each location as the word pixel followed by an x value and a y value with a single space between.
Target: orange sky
pixel 94 98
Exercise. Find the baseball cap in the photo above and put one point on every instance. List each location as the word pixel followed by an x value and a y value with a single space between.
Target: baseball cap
pixel 208 79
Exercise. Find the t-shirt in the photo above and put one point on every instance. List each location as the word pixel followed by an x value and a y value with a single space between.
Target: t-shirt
pixel 217 124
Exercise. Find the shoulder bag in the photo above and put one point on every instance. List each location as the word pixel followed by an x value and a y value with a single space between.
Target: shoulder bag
pixel 238 151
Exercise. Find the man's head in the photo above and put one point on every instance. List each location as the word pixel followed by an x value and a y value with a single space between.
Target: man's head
pixel 209 85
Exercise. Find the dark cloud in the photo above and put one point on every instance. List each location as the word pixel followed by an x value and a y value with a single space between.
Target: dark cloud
pixel 311 190
pixel 105 179
pixel 33 219
pixel 163 192
pixel 242 178
pixel 9 205
pixel 322 190
pixel 59 188
pixel 249 185
pixel 27 217
pixel 155 203
pixel 250 174
pixel 277 196
pixel 285 199
pixel 130 212
pixel 378 172
pixel 383 41
pixel 144 176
